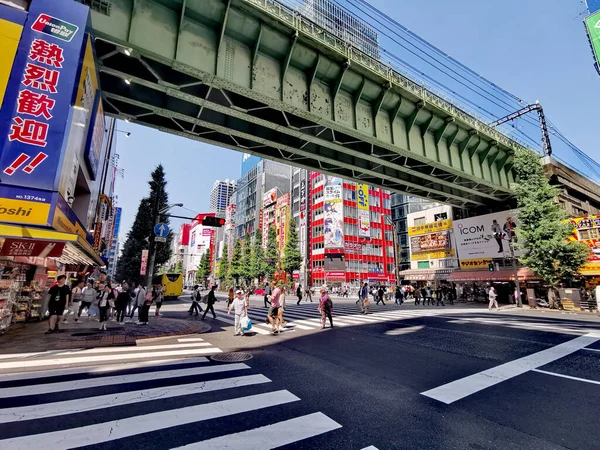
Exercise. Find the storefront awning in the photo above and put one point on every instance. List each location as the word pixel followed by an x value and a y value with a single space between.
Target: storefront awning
pixel 425 275
pixel 76 249
pixel 523 273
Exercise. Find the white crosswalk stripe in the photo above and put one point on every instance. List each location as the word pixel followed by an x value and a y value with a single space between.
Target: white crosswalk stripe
pixel 140 393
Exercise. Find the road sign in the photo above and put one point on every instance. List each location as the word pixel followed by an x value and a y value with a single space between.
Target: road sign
pixel 160 239
pixel 592 25
pixel 161 230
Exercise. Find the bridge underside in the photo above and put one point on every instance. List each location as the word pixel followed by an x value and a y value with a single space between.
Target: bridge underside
pixel 227 73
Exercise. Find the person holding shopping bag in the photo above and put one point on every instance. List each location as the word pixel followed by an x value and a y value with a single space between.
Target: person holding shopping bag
pixel 239 306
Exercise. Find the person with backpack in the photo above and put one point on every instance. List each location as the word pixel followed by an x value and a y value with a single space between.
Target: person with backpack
pixel 210 301
pixel 325 308
pixel 196 297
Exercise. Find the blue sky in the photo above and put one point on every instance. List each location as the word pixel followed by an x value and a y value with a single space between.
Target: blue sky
pixel 535 49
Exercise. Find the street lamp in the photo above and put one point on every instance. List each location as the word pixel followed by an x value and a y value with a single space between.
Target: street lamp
pixel 152 246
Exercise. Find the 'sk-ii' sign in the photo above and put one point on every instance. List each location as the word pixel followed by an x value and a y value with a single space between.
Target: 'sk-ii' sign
pixel 36 109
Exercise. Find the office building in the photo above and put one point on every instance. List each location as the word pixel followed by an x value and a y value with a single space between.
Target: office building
pixel 220 195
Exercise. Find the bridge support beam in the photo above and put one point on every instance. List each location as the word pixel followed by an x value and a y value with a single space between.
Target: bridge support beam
pixel 338 85
pixel 377 105
pixel 255 50
pixel 286 63
pixel 356 99
pixel 311 80
pixel 393 115
pixel 222 35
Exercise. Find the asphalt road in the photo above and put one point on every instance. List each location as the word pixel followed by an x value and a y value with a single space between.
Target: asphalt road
pixel 381 381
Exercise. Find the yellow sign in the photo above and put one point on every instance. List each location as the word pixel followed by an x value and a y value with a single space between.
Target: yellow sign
pixel 88 82
pixel 10 34
pixel 62 223
pixel 440 225
pixel 475 264
pixel 440 254
pixel 590 268
pixel 362 196
pixel 23 212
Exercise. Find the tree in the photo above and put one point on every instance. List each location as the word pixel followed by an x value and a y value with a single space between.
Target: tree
pixel 272 256
pixel 543 233
pixel 128 267
pixel 223 264
pixel 292 258
pixel 245 269
pixel 178 267
pixel 203 269
pixel 257 260
pixel 235 264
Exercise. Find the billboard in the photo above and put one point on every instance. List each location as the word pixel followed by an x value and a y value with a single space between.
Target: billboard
pixel 282 212
pixel 37 105
pixel 230 217
pixel 440 225
pixel 486 236
pixel 144 262
pixel 587 230
pixel 269 197
pixel 93 145
pixel 333 206
pixel 362 202
pixel 592 26
pixel 429 242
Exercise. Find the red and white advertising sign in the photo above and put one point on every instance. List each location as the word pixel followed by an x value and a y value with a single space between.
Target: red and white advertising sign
pixel 144 262
pixel 28 247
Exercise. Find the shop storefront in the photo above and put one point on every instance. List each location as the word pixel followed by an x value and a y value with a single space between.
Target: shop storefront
pixel 424 277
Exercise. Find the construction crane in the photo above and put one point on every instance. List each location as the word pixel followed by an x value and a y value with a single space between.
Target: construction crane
pixel 521 112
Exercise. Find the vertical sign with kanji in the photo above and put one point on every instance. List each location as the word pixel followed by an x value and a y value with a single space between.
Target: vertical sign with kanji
pixel 35 114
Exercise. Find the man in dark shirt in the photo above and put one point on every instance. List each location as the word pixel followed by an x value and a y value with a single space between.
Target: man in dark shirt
pixel 60 295
pixel 210 301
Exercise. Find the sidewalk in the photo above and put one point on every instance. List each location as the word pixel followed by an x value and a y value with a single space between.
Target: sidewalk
pixel 31 337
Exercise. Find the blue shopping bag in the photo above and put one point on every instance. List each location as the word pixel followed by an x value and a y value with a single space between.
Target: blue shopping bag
pixel 247 326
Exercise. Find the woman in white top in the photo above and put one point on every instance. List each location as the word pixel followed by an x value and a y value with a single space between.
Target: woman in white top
pixel 88 296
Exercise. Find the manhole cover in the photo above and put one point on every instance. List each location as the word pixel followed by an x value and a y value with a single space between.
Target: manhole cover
pixel 231 357
pixel 85 333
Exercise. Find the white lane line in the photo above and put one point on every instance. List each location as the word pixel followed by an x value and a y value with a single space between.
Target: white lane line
pixel 103 358
pixel 78 405
pixel 131 426
pixel 569 377
pixel 133 348
pixel 25 355
pixel 592 349
pixel 117 379
pixel 190 340
pixel 232 322
pixel 97 369
pixel 456 390
pixel 270 436
pixel 370 447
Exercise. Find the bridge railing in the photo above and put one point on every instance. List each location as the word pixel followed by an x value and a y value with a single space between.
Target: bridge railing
pixel 394 74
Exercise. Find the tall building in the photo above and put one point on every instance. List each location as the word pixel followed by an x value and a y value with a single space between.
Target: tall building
pixel 336 20
pixel 220 195
pixel 351 241
pixel 300 214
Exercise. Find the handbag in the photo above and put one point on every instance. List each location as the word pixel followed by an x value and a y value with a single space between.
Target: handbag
pixel 246 323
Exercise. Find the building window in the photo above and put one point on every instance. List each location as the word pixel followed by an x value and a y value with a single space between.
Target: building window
pixel 420 221
pixel 423 264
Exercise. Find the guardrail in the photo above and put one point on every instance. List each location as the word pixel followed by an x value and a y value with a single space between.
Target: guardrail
pixel 392 74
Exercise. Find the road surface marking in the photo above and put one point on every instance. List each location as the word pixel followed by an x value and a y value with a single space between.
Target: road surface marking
pixel 592 349
pixel 26 355
pixel 270 436
pixel 92 370
pixel 190 340
pixel 133 348
pixel 104 358
pixel 232 322
pixel 78 405
pixel 459 389
pixel 147 423
pixel 116 380
pixel 566 376
pixel 370 447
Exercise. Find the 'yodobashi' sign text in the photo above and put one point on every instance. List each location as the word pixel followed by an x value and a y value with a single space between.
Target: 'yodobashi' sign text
pixel 486 236
pixel 38 98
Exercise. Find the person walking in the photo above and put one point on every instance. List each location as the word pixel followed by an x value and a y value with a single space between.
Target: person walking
pixel 88 295
pixel 104 304
pixel 325 308
pixel 398 295
pixel 240 310
pixel 268 292
pixel 76 295
pixel 230 297
pixel 364 296
pixel 59 299
pixel 440 293
pixel 273 313
pixel 144 307
pixel 140 298
pixel 380 293
pixel 196 297
pixel 299 294
pixel 492 295
pixel 158 296
pixel 417 296
pixel 132 293
pixel 308 294
pixel 210 301
pixel 121 303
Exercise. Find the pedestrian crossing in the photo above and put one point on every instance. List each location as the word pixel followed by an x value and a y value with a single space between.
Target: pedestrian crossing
pixel 306 317
pixel 152 403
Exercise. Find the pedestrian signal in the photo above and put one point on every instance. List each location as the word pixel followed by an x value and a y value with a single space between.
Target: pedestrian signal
pixel 211 221
pixel 490 267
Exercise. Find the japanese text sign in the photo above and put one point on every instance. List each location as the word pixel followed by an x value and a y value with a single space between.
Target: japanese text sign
pixel 39 94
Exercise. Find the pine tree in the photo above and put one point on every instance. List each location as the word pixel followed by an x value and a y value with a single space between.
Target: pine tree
pixel 235 265
pixel 159 199
pixel 223 265
pixel 257 260
pixel 204 269
pixel 272 256
pixel 292 258
pixel 543 231
pixel 245 269
pixel 128 266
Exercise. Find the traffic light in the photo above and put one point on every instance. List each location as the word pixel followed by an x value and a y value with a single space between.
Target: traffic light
pixel 491 267
pixel 211 221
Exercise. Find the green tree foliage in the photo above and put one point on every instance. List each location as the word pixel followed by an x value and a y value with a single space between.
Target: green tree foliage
pixel 543 232
pixel 257 260
pixel 235 264
pixel 272 256
pixel 245 268
pixel 128 267
pixel 292 258
pixel 204 269
pixel 178 267
pixel 223 264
